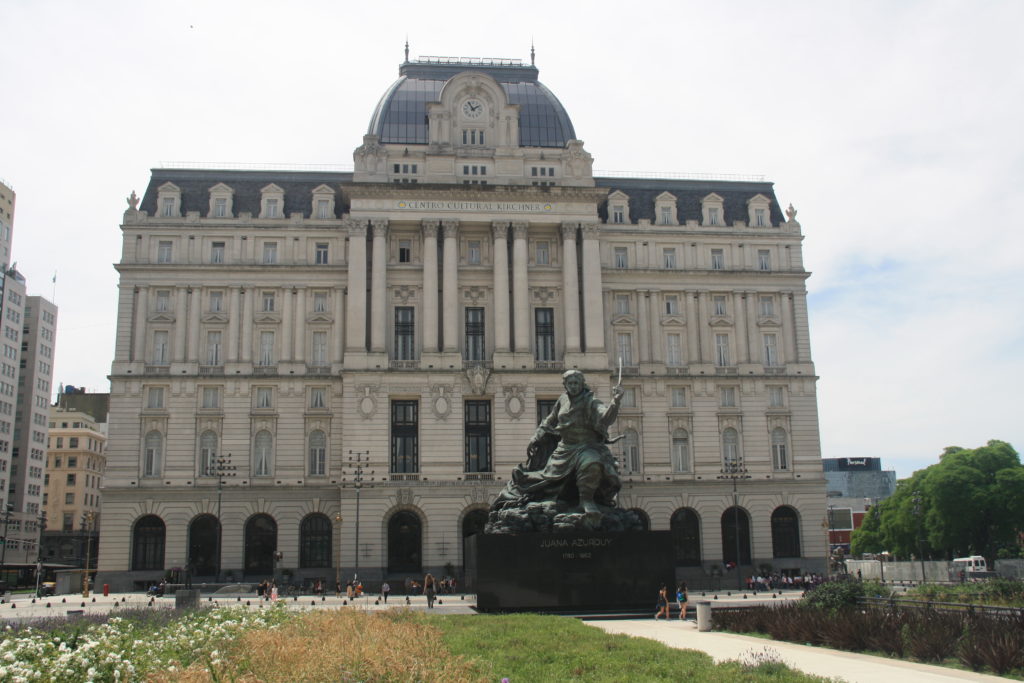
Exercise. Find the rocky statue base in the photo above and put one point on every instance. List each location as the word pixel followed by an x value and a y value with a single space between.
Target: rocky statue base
pixel 570 572
pixel 548 517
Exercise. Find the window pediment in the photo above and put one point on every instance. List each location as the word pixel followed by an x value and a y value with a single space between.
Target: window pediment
pixel 721 321
pixel 320 318
pixel 769 321
pixel 673 321
pixel 162 317
pixel 267 318
pixel 214 318
pixel 624 320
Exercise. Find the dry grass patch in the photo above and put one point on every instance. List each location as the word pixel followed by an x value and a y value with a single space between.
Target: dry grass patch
pixel 341 645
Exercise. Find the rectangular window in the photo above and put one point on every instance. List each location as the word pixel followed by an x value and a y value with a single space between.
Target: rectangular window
pixel 213 344
pixel 618 214
pixel 216 302
pixel 727 396
pixel 717 259
pixel 164 252
pixel 624 343
pixel 668 258
pixel 764 260
pixel 719 305
pixel 674 349
pixel 776 397
pixel 544 330
pixel 266 348
pixel 543 253
pixel 163 301
pixel 475 334
pixel 767 306
pixel 268 302
pixel 405 333
pixel 321 254
pixel 69 499
pixel 319 349
pixel 760 218
pixel 323 209
pixel 319 302
pixel 713 216
pixel 71 479
pixel 220 207
pixel 405 251
pixel 404 437
pixel 167 207
pixel 318 398
pixel 678 397
pixel 473 254
pixel 217 252
pixel 629 397
pixel 544 408
pixel 161 352
pixel 771 351
pixel 211 397
pixel 270 252
pixel 72 460
pixel 671 304
pixel 271 208
pixel 665 215
pixel 721 350
pixel 622 304
pixel 154 398
pixel 478 436
pixel 620 257
pixel 264 397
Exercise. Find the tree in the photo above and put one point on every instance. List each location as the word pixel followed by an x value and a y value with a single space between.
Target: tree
pixel 969 503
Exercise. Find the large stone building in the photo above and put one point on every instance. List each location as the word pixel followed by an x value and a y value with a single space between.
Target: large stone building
pixel 277 329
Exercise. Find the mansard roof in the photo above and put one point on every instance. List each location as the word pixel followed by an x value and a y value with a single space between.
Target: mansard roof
pixel 643 192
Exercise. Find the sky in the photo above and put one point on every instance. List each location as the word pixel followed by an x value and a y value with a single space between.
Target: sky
pixel 894 128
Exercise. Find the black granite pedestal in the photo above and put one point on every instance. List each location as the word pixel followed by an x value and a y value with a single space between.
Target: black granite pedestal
pixel 569 572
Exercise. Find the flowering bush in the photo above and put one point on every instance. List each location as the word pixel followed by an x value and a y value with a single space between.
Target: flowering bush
pixel 124 649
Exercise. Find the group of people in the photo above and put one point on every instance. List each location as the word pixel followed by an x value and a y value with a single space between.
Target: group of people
pixel 779 582
pixel 267 590
pixel 682 600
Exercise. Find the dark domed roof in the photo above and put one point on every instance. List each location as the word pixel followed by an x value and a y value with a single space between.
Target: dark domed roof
pixel 401 114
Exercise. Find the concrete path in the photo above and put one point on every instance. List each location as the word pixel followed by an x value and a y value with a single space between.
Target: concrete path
pixel 820 661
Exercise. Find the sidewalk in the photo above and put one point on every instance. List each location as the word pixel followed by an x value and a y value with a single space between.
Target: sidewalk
pixel 820 661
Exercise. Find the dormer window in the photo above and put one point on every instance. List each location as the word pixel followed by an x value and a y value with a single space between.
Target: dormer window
pixel 271 202
pixel 221 197
pixel 758 209
pixel 760 218
pixel 323 203
pixel 270 209
pixel 618 207
pixel 618 214
pixel 713 210
pixel 220 207
pixel 167 207
pixel 665 209
pixel 713 218
pixel 168 201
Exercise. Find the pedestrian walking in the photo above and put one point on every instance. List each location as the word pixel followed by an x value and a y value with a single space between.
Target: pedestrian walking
pixel 682 599
pixel 662 602
pixel 430 590
pixel 385 590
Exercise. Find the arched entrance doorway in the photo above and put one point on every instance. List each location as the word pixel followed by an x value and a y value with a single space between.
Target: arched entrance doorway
pixel 736 522
pixel 405 543
pixel 785 532
pixel 315 541
pixel 685 528
pixel 202 546
pixel 260 544
pixel 148 539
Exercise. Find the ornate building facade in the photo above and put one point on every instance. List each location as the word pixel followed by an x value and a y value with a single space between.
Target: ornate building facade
pixel 340 369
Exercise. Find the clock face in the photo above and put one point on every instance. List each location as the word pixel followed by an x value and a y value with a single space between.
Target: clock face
pixel 472 109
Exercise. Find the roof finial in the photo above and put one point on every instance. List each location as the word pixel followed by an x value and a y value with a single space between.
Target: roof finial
pixel 407 49
pixel 532 53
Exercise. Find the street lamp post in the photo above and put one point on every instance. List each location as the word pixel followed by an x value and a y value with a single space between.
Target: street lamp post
pixel 356 478
pixel 39 550
pixel 3 552
pixel 338 519
pixel 918 500
pixel 222 469
pixel 734 470
pixel 87 520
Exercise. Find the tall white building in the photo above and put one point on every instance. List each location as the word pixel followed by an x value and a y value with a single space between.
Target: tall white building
pixel 416 314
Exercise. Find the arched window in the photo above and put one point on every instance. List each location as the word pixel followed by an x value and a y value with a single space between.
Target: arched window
pixel 785 532
pixel 680 451
pixel 148 543
pixel 780 453
pixel 207 453
pixel 315 541
pixel 730 448
pixel 645 521
pixel 685 528
pixel 405 542
pixel 152 462
pixel 736 535
pixel 203 545
pixel 260 544
pixel 317 453
pixel 263 453
pixel 631 451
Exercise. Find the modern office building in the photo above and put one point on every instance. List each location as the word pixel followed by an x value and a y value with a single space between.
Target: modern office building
pixel 283 335
pixel 854 486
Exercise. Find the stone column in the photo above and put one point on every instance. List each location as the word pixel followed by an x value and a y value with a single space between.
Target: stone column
pixel 450 311
pixel 657 331
pixel 287 328
pixel 787 352
pixel 234 318
pixel 378 288
pixel 430 309
pixel 355 319
pixel 299 354
pixel 141 304
pixel 643 327
pixel 338 341
pixel 501 327
pixel 752 341
pixel 707 346
pixel 570 288
pixel 194 306
pixel 593 297
pixel 801 342
pixel 520 287
pixel 180 324
pixel 692 334
pixel 740 321
pixel 247 327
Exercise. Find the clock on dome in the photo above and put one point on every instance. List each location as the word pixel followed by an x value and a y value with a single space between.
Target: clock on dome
pixel 472 109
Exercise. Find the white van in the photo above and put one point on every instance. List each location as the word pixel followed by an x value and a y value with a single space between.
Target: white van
pixel 970 565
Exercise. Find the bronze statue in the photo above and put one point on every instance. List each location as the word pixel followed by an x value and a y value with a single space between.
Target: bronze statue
pixel 570 480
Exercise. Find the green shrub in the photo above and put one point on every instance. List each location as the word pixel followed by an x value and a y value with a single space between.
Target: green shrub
pixel 835 595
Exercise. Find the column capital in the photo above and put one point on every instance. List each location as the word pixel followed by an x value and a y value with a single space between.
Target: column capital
pixel 590 230
pixel 499 229
pixel 569 229
pixel 450 227
pixel 429 226
pixel 356 228
pixel 520 229
pixel 380 227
